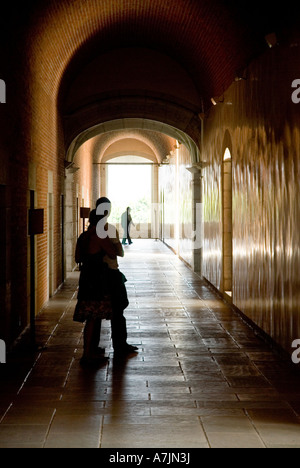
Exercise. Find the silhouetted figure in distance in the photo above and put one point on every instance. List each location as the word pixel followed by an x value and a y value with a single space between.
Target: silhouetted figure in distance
pixel 126 221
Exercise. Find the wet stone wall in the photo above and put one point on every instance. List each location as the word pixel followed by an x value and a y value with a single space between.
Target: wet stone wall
pixel 259 122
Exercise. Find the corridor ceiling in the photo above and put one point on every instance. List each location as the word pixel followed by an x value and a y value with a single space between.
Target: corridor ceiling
pixel 145 143
pixel 211 39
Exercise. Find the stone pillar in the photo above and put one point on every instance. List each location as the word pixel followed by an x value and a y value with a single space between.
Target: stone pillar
pixel 70 221
pixel 155 210
pixel 197 217
pixel 103 178
pixel 96 183
pixel 227 226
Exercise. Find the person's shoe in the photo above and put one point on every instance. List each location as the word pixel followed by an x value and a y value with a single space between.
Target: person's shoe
pixel 93 360
pixel 131 349
pixel 127 349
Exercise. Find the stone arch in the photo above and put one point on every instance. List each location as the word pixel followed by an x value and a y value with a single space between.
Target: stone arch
pixel 134 124
pixel 123 146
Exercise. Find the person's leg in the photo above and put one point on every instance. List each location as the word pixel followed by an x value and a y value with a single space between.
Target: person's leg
pixel 119 335
pixel 118 329
pixel 96 337
pixel 129 238
pixel 88 337
pixel 91 336
pixel 118 321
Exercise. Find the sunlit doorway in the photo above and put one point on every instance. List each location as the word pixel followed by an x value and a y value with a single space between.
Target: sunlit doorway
pixel 130 184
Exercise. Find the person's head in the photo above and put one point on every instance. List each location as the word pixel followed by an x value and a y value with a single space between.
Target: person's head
pixel 93 219
pixel 128 209
pixel 103 207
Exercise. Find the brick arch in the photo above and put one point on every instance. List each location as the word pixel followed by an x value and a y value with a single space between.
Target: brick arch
pixel 162 114
pixel 63 37
pixel 58 39
pixel 128 147
pixel 202 34
pixel 143 143
pixel 151 143
pixel 167 132
pixel 132 83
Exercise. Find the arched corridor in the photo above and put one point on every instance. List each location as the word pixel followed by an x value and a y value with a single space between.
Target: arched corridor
pixel 201 378
pixel 206 95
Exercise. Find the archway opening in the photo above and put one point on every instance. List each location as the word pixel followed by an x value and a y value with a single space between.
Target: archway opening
pixel 227 222
pixel 134 163
pixel 130 184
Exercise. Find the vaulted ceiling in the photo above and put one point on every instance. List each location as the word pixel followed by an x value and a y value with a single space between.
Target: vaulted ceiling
pixel 146 143
pixel 210 40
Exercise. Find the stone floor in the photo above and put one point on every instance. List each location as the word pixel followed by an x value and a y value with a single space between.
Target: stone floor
pixel 201 378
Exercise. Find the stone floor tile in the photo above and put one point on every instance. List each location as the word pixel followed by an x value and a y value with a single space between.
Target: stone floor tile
pixel 283 436
pixel 28 434
pixel 29 415
pixel 73 440
pixel 230 424
pixel 201 377
pixel 233 440
pixel 154 436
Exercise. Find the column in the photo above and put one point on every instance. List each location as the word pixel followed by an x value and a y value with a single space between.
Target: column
pixel 197 217
pixel 70 222
pixel 96 183
pixel 103 178
pixel 155 210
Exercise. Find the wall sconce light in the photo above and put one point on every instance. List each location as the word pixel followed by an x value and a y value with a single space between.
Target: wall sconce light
pixel 271 40
pixel 216 100
pixel 241 76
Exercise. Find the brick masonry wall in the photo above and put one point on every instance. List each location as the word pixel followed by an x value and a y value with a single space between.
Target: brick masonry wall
pixel 79 193
pixel 33 149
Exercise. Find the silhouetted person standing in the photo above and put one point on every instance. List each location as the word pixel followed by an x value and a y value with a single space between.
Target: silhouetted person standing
pixel 126 221
pixel 94 302
pixel 116 281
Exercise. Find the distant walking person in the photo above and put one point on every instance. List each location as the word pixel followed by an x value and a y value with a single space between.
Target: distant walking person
pixel 126 221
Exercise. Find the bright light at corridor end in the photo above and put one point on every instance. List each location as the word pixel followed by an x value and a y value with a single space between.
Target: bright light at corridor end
pixel 184 232
pixel 227 155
